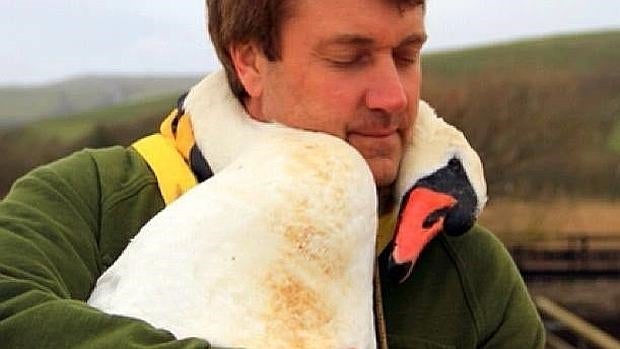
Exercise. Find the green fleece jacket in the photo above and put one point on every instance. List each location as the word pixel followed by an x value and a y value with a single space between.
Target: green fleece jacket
pixel 63 224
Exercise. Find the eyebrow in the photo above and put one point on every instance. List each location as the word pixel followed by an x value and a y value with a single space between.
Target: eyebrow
pixel 366 42
pixel 417 39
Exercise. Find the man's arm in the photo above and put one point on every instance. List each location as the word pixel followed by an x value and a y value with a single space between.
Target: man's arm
pixel 507 316
pixel 49 261
pixel 520 326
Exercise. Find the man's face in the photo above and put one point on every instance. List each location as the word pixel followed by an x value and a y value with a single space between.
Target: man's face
pixel 350 68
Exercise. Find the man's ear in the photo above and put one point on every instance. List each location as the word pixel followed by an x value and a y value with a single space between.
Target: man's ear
pixel 250 63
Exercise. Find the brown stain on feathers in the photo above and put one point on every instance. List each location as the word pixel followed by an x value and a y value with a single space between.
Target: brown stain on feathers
pixel 298 311
pixel 320 161
pixel 309 248
pixel 311 241
pixel 296 314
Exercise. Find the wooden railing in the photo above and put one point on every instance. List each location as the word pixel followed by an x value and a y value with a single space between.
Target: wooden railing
pixel 580 327
pixel 580 254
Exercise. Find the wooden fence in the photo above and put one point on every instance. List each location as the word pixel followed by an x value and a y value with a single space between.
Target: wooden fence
pixel 585 331
pixel 578 254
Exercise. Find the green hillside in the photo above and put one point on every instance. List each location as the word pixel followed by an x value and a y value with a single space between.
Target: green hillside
pixel 24 104
pixel 614 139
pixel 45 140
pixel 81 126
pixel 544 115
pixel 569 54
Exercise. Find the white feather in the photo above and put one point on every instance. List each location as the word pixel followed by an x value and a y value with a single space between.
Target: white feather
pixel 433 144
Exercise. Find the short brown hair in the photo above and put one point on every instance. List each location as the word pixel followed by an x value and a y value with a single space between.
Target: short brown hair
pixel 243 21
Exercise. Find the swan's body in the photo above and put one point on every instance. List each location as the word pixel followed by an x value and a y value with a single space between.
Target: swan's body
pixel 275 251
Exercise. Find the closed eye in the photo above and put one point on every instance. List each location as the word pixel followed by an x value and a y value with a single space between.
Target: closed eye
pixel 352 61
pixel 406 57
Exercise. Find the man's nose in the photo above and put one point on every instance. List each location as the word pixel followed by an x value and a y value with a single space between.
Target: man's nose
pixel 386 91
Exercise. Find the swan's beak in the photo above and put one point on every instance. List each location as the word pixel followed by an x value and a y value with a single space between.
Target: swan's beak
pixel 421 219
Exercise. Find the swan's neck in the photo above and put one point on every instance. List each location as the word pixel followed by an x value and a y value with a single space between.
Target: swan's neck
pixel 222 127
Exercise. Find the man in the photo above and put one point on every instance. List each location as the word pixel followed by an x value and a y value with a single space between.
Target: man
pixel 350 68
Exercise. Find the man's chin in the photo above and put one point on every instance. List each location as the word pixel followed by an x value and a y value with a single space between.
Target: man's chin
pixel 384 172
pixel 385 182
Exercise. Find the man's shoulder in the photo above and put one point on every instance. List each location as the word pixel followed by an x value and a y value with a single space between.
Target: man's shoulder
pixel 463 284
pixel 120 166
pixel 121 172
pixel 478 248
pixel 489 276
pixel 482 260
pixel 106 173
pixel 94 160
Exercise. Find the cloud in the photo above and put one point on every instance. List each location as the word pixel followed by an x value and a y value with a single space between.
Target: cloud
pixel 50 39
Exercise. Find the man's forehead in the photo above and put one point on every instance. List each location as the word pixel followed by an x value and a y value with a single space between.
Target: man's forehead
pixel 296 7
pixel 402 5
pixel 360 23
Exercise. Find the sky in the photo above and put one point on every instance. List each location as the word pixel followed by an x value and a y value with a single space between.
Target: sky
pixel 49 40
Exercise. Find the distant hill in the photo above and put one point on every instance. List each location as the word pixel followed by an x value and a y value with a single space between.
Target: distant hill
pixel 45 140
pixel 544 115
pixel 25 104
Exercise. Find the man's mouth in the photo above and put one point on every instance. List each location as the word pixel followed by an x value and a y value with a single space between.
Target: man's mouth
pixel 374 133
pixel 375 144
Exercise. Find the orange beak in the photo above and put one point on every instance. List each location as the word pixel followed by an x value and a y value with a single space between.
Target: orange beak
pixel 420 220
